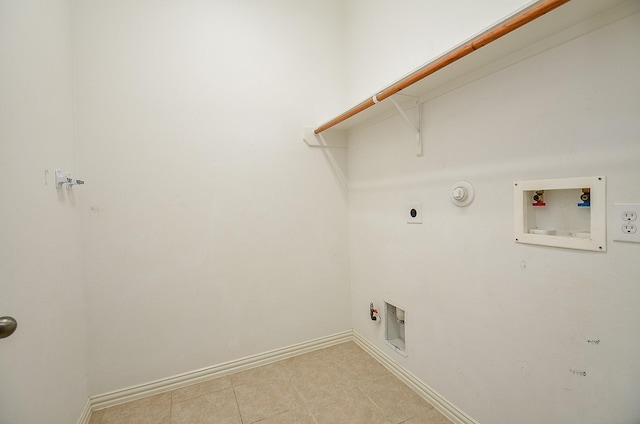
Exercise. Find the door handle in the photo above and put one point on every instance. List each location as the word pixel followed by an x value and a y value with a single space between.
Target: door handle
pixel 7 326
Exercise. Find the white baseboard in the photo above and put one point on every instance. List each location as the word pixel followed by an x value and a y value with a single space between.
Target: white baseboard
pixel 118 397
pixel 440 403
pixel 86 413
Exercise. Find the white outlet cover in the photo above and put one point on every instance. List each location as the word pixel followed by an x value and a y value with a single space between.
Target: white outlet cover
pixel 624 223
pixel 414 213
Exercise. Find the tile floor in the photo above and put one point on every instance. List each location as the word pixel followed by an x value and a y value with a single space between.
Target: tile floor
pixel 340 384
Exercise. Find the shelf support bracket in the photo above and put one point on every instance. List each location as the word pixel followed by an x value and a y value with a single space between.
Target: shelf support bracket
pixel 416 127
pixel 336 139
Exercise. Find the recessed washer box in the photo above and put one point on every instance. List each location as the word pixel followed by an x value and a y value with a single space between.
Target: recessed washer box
pixel 394 332
pixel 567 212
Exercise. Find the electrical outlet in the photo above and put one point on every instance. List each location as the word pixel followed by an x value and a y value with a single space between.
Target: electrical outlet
pixel 414 213
pixel 625 222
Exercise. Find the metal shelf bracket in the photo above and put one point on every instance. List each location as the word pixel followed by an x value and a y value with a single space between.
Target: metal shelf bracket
pixel 417 126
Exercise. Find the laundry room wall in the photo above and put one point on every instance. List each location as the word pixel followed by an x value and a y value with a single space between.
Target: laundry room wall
pixel 508 332
pixel 211 231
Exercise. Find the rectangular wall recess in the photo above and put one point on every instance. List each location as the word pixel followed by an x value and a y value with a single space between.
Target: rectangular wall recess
pixel 568 213
pixel 394 334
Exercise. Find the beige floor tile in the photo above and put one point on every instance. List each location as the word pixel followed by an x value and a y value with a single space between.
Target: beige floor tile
pixel 157 406
pixel 350 406
pixel 361 369
pixel 271 373
pixel 155 417
pixel 354 359
pixel 430 417
pixel 307 363
pixel 213 408
pixel 342 350
pixel 340 384
pixel 395 399
pixel 297 416
pixel 96 417
pixel 324 379
pixel 199 389
pixel 259 401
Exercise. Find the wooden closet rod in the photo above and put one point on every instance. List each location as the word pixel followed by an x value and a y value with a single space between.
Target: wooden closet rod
pixel 511 24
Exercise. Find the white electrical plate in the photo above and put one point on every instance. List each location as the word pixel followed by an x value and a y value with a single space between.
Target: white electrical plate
pixel 561 220
pixel 414 213
pixel 626 222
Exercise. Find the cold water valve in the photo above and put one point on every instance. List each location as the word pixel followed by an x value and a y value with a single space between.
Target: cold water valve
pixel 586 198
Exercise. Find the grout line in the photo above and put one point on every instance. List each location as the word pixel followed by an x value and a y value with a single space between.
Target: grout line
pixel 235 397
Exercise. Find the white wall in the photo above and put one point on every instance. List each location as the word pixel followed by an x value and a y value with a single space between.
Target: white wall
pixel 494 326
pixel 388 39
pixel 43 365
pixel 211 232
